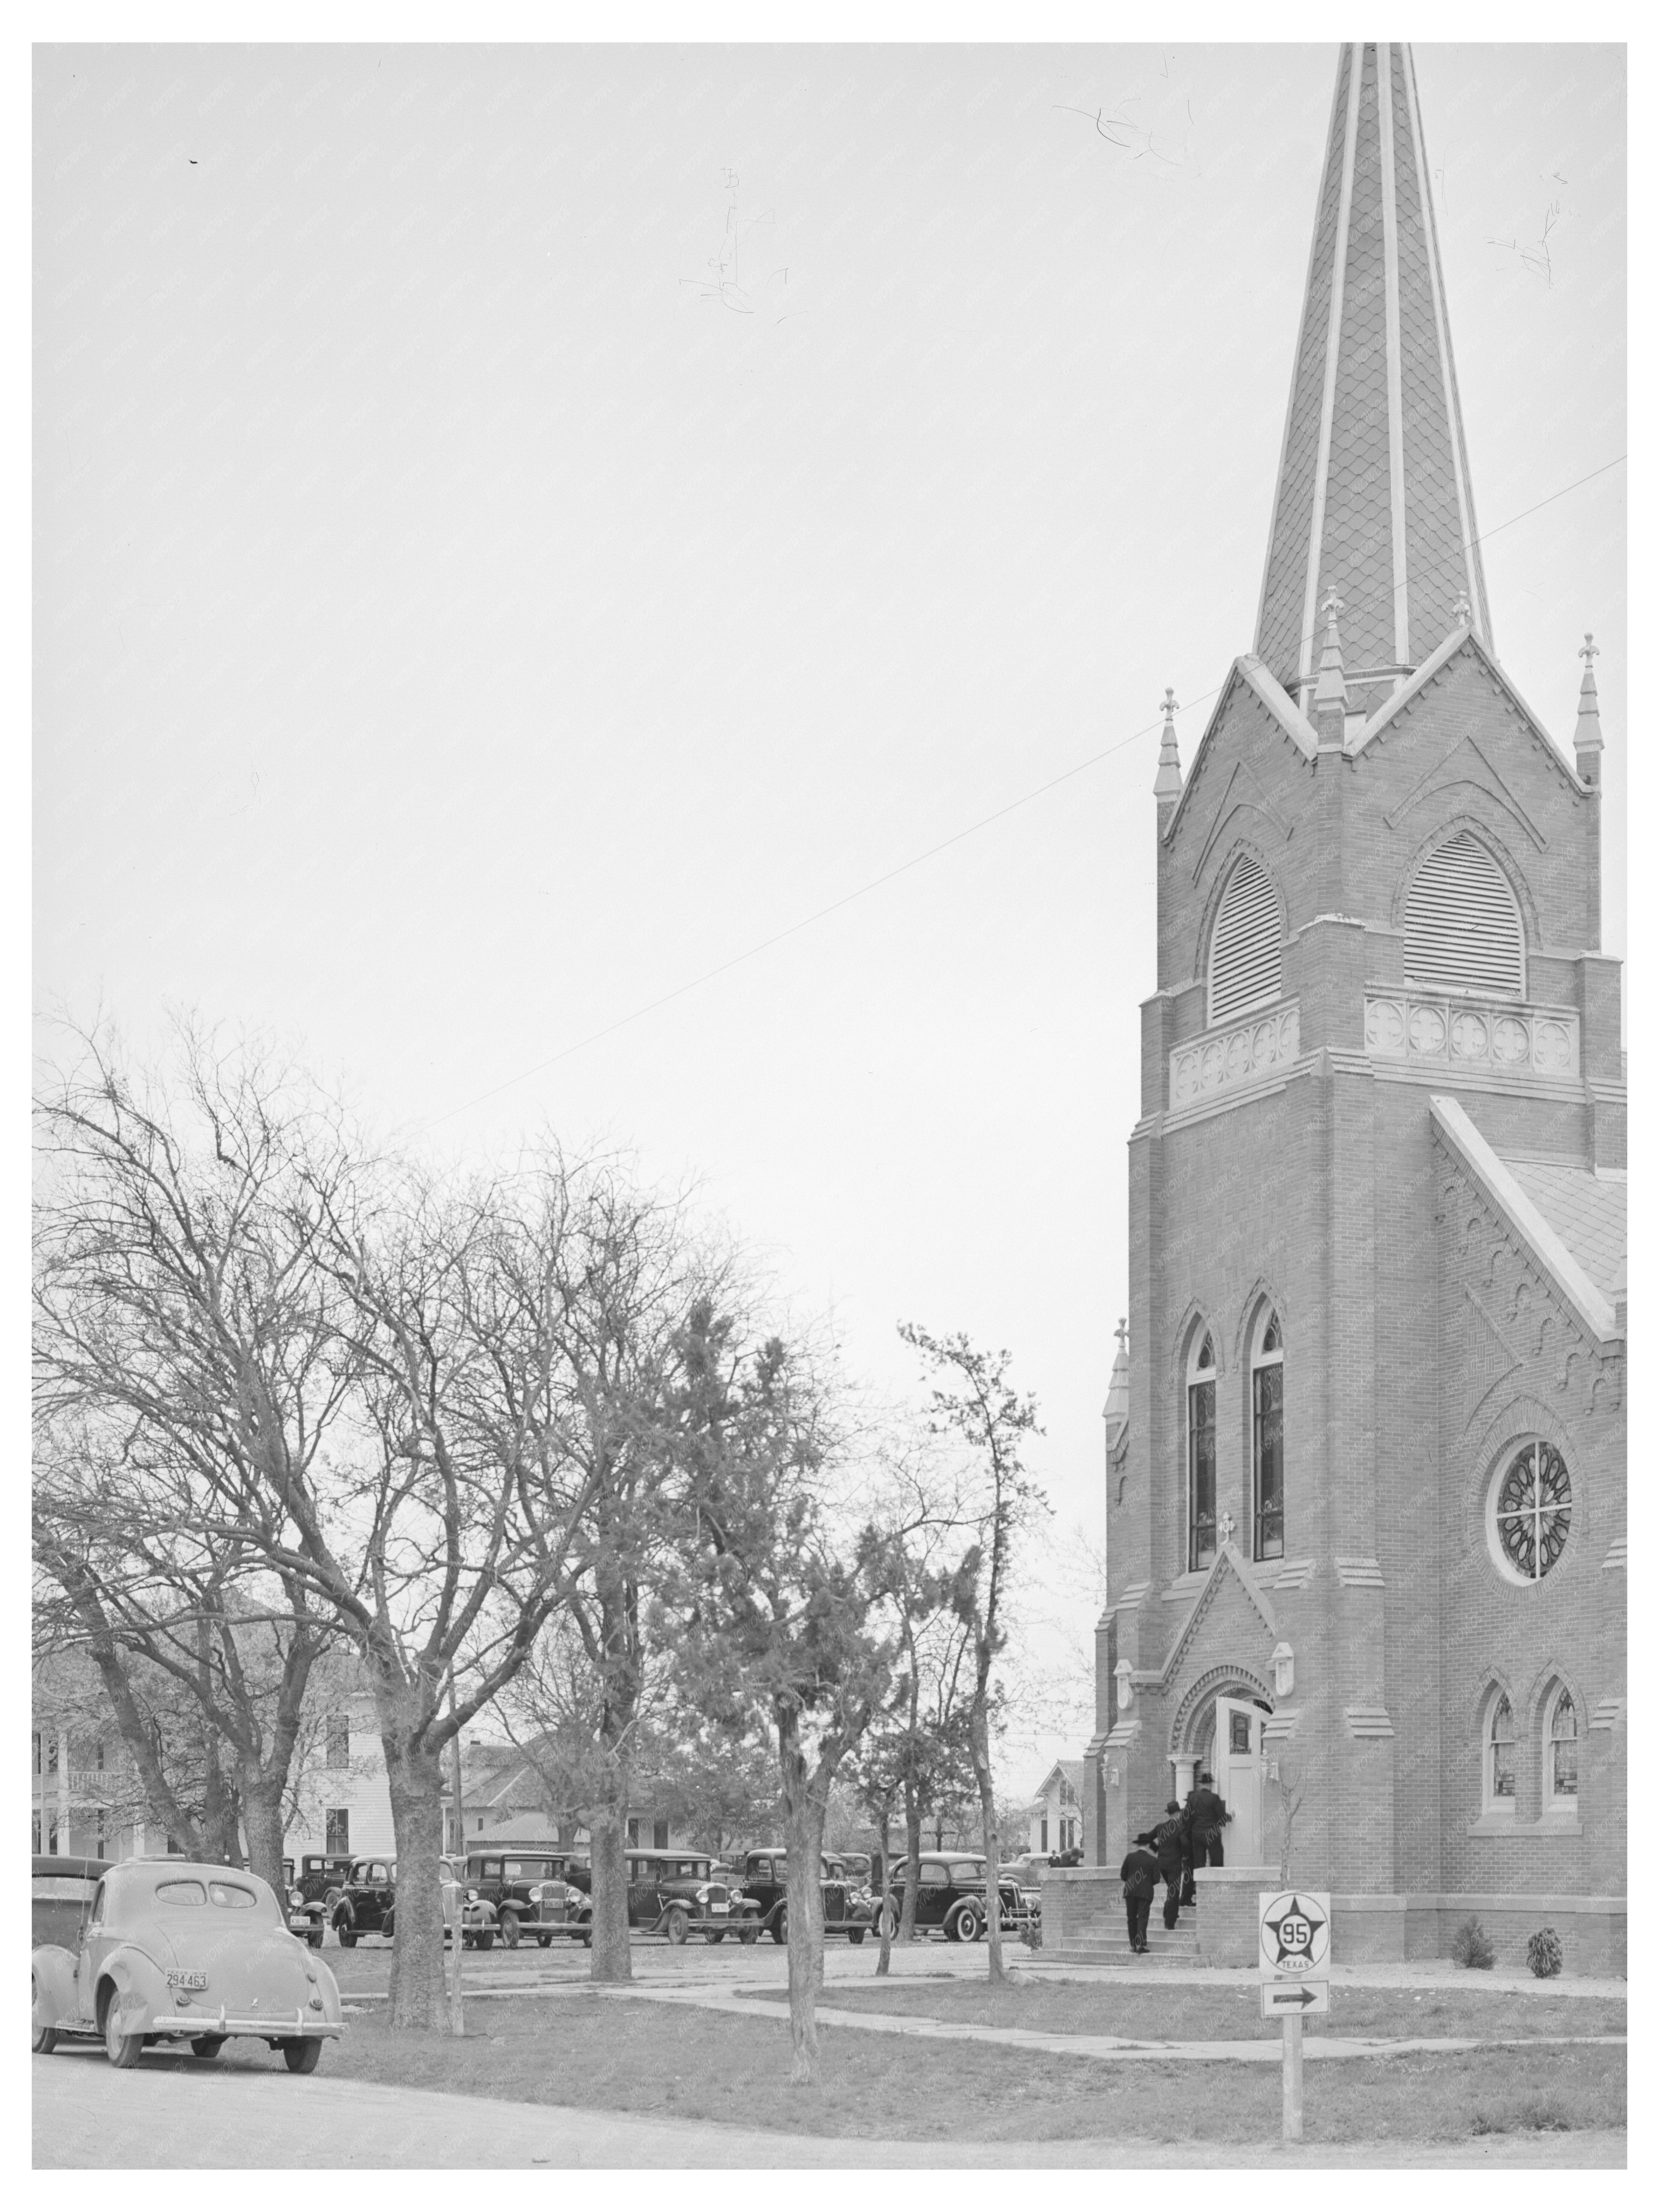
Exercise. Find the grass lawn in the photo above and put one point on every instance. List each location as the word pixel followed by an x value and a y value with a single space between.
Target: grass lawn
pixel 632 2055
pixel 1185 2013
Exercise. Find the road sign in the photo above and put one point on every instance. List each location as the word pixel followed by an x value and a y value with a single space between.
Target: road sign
pixel 1294 1931
pixel 1293 2000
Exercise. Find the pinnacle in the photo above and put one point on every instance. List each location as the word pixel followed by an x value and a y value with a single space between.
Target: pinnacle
pixel 1166 788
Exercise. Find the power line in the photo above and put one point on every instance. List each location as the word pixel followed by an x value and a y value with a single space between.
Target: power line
pixel 916 860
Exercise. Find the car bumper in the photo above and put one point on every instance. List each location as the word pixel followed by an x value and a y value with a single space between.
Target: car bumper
pixel 227 2023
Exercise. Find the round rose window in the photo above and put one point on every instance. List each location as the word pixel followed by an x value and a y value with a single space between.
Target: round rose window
pixel 1531 1510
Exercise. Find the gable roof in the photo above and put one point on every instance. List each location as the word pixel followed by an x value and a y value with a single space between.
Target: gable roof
pixel 1253 674
pixel 1589 1216
pixel 1444 653
pixel 1228 1560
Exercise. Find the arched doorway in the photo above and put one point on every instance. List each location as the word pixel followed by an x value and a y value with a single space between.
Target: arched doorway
pixel 1218 1729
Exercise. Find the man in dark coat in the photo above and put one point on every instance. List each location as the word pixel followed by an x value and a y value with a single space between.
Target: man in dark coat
pixel 1139 1875
pixel 1169 1843
pixel 1206 1815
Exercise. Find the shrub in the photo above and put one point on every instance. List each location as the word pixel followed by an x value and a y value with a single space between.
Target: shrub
pixel 1471 1945
pixel 1544 1953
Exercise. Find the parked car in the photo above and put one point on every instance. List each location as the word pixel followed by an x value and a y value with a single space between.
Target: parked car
pixel 536 1889
pixel 176 1951
pixel 849 1909
pixel 1026 1875
pixel 367 1904
pixel 62 1890
pixel 308 1907
pixel 951 1898
pixel 676 1894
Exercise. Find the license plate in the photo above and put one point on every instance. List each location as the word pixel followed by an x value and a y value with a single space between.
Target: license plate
pixel 720 1908
pixel 187 1978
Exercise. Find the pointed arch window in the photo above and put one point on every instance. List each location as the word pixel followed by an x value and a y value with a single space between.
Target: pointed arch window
pixel 1244 944
pixel 1200 1453
pixel 1463 926
pixel 1499 1754
pixel 1561 1753
pixel 1267 1439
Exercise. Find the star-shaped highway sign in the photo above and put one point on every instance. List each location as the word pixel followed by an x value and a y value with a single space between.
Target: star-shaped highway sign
pixel 1298 1928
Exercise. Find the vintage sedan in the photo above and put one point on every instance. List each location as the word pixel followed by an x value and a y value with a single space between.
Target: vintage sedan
pixel 172 1951
pixel 676 1894
pixel 849 1909
pixel 367 1904
pixel 951 1898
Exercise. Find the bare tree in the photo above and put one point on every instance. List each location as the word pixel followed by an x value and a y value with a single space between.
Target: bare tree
pixel 1292 1787
pixel 975 1406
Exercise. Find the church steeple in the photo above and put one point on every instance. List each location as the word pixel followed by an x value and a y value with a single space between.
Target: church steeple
pixel 1373 500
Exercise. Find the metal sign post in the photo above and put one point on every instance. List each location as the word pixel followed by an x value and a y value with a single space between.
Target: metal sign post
pixel 1293 1931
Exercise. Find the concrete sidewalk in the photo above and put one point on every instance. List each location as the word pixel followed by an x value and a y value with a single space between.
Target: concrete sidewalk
pixel 87 2116
pixel 1264 2049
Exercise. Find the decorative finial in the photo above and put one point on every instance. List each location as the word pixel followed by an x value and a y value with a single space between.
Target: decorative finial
pixel 1166 786
pixel 1463 611
pixel 1587 738
pixel 1330 699
pixel 1225 1525
pixel 1122 1332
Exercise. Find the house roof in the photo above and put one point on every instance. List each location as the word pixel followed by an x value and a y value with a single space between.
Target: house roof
pixel 1068 1771
pixel 1588 1212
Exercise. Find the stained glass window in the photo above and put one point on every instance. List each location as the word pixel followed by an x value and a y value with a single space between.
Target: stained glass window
pixel 1201 1459
pixel 1564 1748
pixel 1500 1753
pixel 1267 1432
pixel 1533 1509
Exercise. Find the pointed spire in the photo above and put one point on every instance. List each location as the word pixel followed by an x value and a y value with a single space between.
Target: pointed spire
pixel 1330 699
pixel 1374 492
pixel 1587 738
pixel 1166 788
pixel 1115 1412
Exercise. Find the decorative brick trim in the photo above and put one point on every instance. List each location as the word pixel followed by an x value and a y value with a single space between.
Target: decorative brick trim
pixel 1294 1574
pixel 1496 1036
pixel 1368 1721
pixel 1213 1681
pixel 1358 1574
pixel 1253 1050
pixel 1229 1556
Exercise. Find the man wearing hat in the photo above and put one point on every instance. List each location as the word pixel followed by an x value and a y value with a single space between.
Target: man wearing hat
pixel 1169 1843
pixel 1139 1875
pixel 1205 1816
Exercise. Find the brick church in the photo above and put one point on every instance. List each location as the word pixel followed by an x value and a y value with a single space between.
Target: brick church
pixel 1365 1494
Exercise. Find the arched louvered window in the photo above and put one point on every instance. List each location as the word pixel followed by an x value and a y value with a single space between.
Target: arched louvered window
pixel 1245 943
pixel 1463 926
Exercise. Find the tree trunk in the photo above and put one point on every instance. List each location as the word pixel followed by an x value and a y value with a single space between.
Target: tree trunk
pixel 612 1960
pixel 416 1998
pixel 885 1926
pixel 988 1814
pixel 912 1866
pixel 262 1816
pixel 805 1796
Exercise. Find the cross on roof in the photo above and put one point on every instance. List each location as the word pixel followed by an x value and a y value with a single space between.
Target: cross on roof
pixel 1588 649
pixel 1123 1333
pixel 1226 1526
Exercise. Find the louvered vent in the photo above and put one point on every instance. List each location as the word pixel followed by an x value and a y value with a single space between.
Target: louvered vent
pixel 1244 947
pixel 1462 928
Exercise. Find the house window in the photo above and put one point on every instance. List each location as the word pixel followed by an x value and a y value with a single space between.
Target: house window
pixel 659 1835
pixel 336 1747
pixel 1042 1833
pixel 1462 924
pixel 337 1831
pixel 1244 942
pixel 1200 1455
pixel 34 1835
pixel 1267 1441
pixel 1529 1511
pixel 633 1832
pixel 1561 1754
pixel 1500 1753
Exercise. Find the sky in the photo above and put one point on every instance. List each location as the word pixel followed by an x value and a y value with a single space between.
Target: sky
pixel 521 531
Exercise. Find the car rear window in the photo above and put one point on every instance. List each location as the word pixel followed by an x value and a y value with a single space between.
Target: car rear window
pixel 232 1895
pixel 931 1871
pixel 181 1893
pixel 967 1870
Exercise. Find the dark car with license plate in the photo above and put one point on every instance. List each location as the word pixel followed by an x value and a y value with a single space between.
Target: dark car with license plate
pixel 950 1898
pixel 367 1904
pixel 849 1909
pixel 677 1894
pixel 537 1889
pixel 311 1889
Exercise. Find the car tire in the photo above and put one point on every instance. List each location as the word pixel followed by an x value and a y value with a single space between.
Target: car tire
pixel 122 2051
pixel 207 2046
pixel 510 1931
pixel 543 1940
pixel 301 2052
pixel 348 1939
pixel 388 1926
pixel 587 1939
pixel 969 1925
pixel 751 1934
pixel 887 1922
pixel 485 1939
pixel 679 1925
pixel 43 2039
pixel 855 1935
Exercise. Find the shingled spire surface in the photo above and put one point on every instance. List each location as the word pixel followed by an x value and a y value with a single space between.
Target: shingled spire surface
pixel 1374 500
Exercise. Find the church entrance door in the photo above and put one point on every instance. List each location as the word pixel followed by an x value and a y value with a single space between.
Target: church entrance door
pixel 1240 1770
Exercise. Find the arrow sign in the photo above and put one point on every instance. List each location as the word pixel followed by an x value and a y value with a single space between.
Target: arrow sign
pixel 1297 1998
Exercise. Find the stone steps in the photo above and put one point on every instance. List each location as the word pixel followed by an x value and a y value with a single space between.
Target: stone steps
pixel 1108 1945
